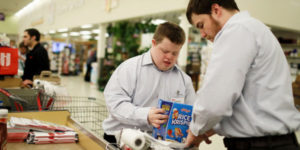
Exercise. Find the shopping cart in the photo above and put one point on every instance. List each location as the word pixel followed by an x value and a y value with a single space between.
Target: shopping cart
pixel 25 99
pixel 89 111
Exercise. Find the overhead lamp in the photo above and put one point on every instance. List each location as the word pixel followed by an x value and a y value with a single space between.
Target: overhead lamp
pixel 74 34
pixel 64 35
pixel 106 35
pixel 85 32
pixel 97 37
pixel 86 26
pixel 96 31
pixel 86 37
pixel 52 31
pixel 158 21
pixel 63 30
pixel 27 8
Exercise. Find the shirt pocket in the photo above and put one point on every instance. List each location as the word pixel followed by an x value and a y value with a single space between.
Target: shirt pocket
pixel 178 95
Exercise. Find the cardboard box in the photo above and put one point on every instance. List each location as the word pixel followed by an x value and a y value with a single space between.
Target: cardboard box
pixel 10 82
pixel 47 76
pixel 175 129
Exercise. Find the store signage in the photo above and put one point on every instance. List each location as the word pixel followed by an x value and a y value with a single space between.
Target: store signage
pixel 4 59
pixel 69 5
pixel 2 16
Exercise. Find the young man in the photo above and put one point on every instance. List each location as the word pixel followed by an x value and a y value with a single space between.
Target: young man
pixel 36 59
pixel 135 87
pixel 246 94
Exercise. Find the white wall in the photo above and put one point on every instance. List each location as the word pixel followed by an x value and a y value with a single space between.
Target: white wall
pixel 9 25
pixel 281 13
pixel 55 14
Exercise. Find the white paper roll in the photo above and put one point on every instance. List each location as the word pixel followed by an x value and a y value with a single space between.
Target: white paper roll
pixel 133 138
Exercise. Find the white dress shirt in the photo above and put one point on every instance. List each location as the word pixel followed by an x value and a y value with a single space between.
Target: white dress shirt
pixel 247 88
pixel 136 86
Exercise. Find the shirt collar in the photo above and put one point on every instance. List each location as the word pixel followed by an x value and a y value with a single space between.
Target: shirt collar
pixel 235 17
pixel 36 45
pixel 147 58
pixel 148 61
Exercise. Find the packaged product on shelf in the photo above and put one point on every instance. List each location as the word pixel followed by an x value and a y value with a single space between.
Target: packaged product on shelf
pixel 36 137
pixel 175 129
pixel 37 125
pixel 3 129
pixel 15 134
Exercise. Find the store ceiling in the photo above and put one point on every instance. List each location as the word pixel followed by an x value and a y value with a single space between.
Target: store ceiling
pixel 10 7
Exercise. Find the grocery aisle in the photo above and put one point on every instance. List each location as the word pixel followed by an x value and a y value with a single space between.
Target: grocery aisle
pixel 76 86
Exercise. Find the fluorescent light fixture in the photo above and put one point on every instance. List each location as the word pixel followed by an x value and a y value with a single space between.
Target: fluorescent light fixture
pixel 85 32
pixel 96 31
pixel 64 35
pixel 86 37
pixel 27 8
pixel 158 21
pixel 97 37
pixel 74 34
pixel 63 30
pixel 52 31
pixel 86 26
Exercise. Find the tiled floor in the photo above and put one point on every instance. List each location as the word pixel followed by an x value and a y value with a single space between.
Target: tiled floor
pixel 76 86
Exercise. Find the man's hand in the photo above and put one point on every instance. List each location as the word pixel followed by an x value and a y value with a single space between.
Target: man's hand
pixel 156 117
pixel 193 140
pixel 27 83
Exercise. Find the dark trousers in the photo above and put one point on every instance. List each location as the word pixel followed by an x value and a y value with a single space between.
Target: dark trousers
pixel 279 142
pixel 110 139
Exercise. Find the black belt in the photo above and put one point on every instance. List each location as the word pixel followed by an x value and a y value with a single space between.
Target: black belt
pixel 261 142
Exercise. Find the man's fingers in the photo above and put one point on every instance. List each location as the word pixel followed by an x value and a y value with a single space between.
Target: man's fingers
pixel 159 111
pixel 162 117
pixel 207 141
pixel 160 121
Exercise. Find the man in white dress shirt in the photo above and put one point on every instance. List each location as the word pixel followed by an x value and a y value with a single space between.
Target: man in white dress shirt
pixel 135 87
pixel 246 94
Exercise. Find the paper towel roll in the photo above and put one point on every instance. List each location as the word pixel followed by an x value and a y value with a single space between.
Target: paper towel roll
pixel 133 138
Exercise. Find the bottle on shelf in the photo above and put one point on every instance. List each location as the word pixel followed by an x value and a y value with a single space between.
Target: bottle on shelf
pixel 3 129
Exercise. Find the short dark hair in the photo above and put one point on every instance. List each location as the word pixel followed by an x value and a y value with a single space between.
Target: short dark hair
pixel 34 32
pixel 171 31
pixel 204 7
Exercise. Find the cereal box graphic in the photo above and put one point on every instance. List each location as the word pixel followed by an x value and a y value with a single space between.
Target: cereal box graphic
pixel 175 129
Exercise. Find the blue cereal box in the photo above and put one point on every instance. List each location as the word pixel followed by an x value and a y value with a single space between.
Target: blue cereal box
pixel 175 129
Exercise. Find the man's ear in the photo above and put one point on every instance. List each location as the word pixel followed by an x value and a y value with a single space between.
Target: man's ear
pixel 216 10
pixel 33 37
pixel 153 43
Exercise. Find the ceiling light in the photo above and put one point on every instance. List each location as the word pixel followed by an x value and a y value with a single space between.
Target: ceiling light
pixel 27 8
pixel 63 30
pixel 158 21
pixel 74 34
pixel 86 26
pixel 64 35
pixel 85 32
pixel 52 31
pixel 96 31
pixel 86 37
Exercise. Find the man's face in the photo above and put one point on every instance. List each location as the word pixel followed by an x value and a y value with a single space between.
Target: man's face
pixel 165 54
pixel 27 39
pixel 207 25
